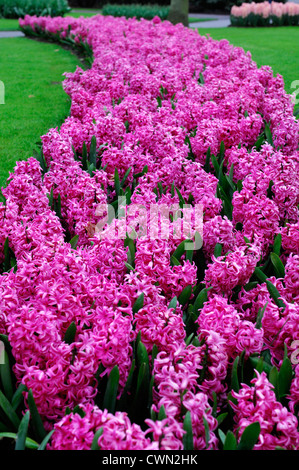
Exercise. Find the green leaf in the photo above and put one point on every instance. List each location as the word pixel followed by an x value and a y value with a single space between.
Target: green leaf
pixel 260 315
pixel 138 303
pixel 260 275
pixel 230 442
pixel 274 293
pixel 5 374
pixel 277 244
pixel 125 176
pixel 185 295
pixel 93 151
pixel 162 413
pixel 249 436
pixel 45 441
pixel 268 134
pixel 18 397
pixel 180 250
pixel 200 300
pixel 207 166
pixel 37 423
pixel 84 157
pixel 116 182
pixel 278 265
pixel 173 303
pixel 74 242
pixel 217 250
pixel 273 379
pixel 188 436
pixel 222 417
pixel 284 378
pixel 70 333
pixel 234 375
pixel 111 390
pixel 29 443
pixel 9 411
pixel 22 432
pixel 97 435
pixel 207 431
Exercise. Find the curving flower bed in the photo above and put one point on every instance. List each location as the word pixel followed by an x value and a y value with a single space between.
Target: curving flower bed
pixel 130 341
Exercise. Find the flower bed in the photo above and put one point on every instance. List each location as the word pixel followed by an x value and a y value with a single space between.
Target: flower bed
pixel 265 14
pixel 122 339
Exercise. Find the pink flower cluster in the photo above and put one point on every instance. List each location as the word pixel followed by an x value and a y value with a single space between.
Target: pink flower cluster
pixel 158 97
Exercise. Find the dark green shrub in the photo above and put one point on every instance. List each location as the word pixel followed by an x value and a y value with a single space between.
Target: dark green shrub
pixel 20 8
pixel 136 11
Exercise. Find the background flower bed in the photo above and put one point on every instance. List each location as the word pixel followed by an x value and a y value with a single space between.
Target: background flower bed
pixel 136 10
pixel 265 14
pixel 20 8
pixel 139 344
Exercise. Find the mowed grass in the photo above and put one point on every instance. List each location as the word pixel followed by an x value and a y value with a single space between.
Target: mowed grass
pixel 276 47
pixel 32 73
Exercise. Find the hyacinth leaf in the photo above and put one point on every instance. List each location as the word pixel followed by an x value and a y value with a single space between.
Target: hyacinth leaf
pixel 207 431
pixel 97 435
pixel 18 396
pixel 261 276
pixel 279 268
pixel 185 295
pixel 84 157
pixel 74 242
pixel 22 432
pixel 129 242
pixel 274 293
pixel 230 442
pixel 129 267
pixel 110 396
pixel 117 182
pixel 142 354
pixel 162 413
pixel 29 443
pixel 37 423
pixel 93 151
pixel 258 323
pixel 5 374
pixel 200 300
pixel 259 142
pixel 221 418
pixel 174 261
pixel 45 441
pixel 188 436
pixel 270 193
pixel 70 333
pixel 207 166
pixel 277 244
pixel 201 79
pixel 284 379
pixel 181 199
pixel 273 379
pixel 268 134
pixel 173 303
pixel 218 250
pixel 9 411
pixel 215 164
pixel 138 303
pixel 234 375
pixel 122 183
pixel 249 436
pixel 181 248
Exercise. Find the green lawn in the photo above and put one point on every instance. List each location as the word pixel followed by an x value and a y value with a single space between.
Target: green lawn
pixel 34 98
